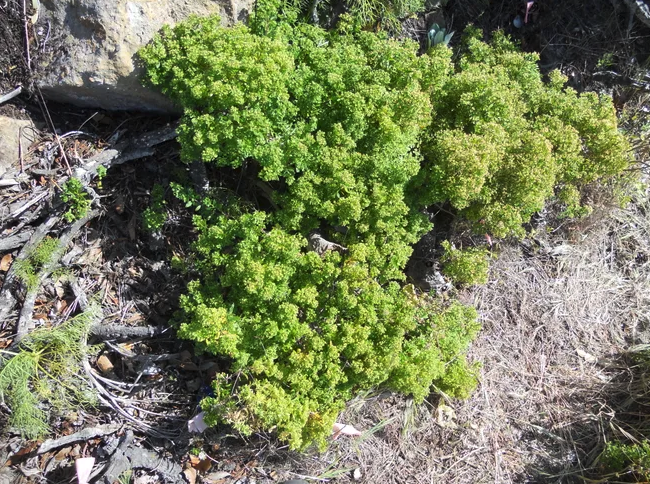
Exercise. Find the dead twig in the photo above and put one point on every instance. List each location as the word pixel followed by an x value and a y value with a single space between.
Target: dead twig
pixel 26 28
pixel 10 95
pixel 119 332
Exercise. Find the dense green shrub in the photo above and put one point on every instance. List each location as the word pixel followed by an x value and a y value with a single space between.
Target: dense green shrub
pixel 371 14
pixel 332 125
pixel 504 141
pixel 154 216
pixel 305 332
pixel 333 117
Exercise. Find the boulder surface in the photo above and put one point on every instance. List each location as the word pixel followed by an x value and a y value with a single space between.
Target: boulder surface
pixel 14 135
pixel 93 45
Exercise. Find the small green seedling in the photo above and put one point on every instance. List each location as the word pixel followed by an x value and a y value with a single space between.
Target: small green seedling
pixel 75 196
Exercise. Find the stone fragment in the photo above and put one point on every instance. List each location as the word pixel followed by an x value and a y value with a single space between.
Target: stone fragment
pixel 93 44
pixel 13 133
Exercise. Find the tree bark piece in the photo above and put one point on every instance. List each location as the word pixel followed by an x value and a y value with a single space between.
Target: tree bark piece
pixel 81 436
pixel 128 456
pixel 14 241
pixel 10 95
pixel 116 331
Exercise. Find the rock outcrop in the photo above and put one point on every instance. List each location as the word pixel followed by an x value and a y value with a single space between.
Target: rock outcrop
pixel 93 46
pixel 14 134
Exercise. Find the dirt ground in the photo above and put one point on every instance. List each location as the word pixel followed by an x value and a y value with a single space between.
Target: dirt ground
pixel 560 312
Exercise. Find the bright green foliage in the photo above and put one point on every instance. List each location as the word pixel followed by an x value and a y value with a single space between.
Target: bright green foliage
pixel 466 266
pixel 333 123
pixel 75 196
pixel 306 332
pixel 625 462
pixel 154 216
pixel 27 269
pixel 46 373
pixel 334 117
pixel 505 140
pixel 101 174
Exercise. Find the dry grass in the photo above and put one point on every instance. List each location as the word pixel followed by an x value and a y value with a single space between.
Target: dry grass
pixel 558 317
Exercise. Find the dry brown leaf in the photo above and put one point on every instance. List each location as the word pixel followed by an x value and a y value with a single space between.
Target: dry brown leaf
pixel 5 263
pixel 216 477
pixel 22 454
pixel 201 465
pixel 104 364
pixel 190 474
pixel 63 453
pixel 119 204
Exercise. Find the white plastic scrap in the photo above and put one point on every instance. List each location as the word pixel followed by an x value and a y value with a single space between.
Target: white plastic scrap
pixel 197 424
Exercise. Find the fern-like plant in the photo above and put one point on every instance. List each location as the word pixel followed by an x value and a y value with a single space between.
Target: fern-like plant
pixel 45 374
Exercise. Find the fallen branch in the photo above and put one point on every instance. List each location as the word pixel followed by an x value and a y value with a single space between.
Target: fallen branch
pixel 116 331
pixel 14 241
pixel 10 95
pixel 139 147
pixel 81 436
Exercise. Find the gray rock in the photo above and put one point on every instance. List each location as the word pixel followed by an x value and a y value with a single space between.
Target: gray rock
pixel 93 63
pixel 11 130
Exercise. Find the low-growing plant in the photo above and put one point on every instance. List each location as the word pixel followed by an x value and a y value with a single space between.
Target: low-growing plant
pixel 503 142
pixel 625 462
pixel 155 216
pixel 101 174
pixel 465 266
pixel 44 374
pixel 27 269
pixel 384 13
pixel 74 194
pixel 351 134
pixel 305 332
